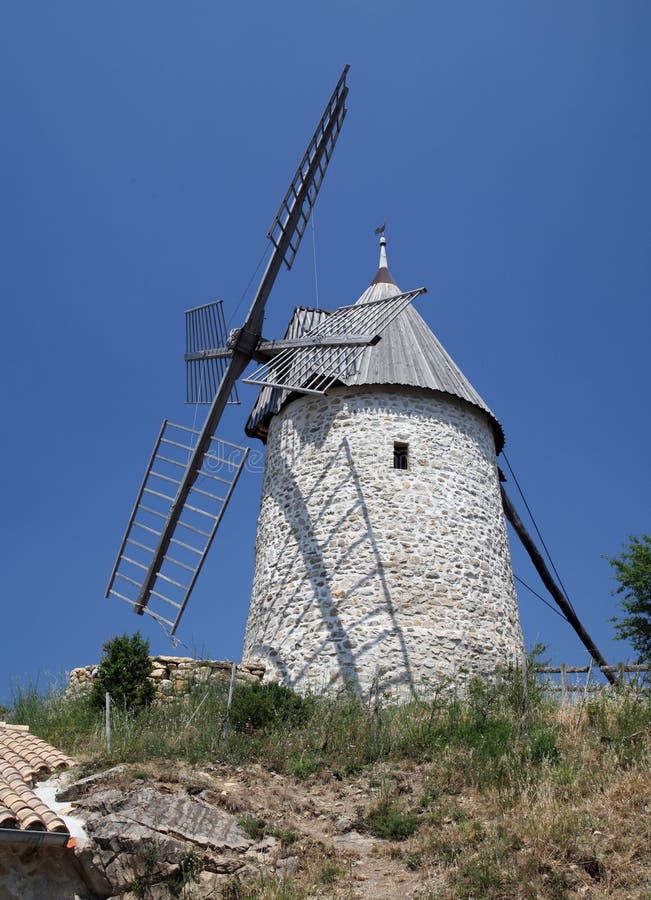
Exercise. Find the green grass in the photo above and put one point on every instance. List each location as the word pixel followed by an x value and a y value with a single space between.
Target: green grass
pixel 254 826
pixel 488 793
pixel 286 836
pixel 387 820
pixel 304 764
pixel 264 888
pixel 484 739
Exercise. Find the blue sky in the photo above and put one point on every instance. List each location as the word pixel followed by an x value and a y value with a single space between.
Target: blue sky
pixel 145 149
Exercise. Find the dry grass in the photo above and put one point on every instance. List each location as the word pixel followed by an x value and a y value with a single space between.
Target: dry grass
pixel 474 797
pixel 582 828
pixel 576 826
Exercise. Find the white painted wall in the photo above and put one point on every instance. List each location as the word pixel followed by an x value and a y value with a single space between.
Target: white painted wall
pixel 361 567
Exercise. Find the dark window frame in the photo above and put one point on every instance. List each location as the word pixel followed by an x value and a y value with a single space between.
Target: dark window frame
pixel 401 456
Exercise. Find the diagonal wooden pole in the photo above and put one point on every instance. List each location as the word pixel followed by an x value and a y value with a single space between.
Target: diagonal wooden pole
pixel 552 587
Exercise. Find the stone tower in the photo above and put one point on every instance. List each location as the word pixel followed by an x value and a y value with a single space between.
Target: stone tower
pixel 381 547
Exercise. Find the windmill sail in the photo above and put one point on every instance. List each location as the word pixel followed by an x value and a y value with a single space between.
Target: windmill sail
pixel 285 233
pixel 329 352
pixel 205 329
pixel 293 214
pixel 195 528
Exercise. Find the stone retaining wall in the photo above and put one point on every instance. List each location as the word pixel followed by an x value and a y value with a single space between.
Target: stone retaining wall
pixel 177 673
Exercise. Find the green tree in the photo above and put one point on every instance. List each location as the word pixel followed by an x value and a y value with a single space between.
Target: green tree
pixel 633 575
pixel 124 672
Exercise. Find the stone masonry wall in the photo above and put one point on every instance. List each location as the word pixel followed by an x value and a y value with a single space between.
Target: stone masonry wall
pixel 364 569
pixel 176 673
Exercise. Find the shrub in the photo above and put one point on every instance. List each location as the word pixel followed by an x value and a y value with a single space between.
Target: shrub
pixel 542 744
pixel 124 672
pixel 190 867
pixel 386 820
pixel 254 826
pixel 330 873
pixel 259 707
pixel 286 836
pixel 303 765
pixel 480 876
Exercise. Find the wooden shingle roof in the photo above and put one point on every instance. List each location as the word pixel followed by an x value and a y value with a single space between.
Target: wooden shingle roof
pixel 409 354
pixel 24 760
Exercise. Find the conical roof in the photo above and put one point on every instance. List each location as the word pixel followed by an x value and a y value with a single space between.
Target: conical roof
pixel 409 354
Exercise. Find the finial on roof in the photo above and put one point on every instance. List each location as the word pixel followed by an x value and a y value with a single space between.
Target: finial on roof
pixel 383 253
pixel 383 274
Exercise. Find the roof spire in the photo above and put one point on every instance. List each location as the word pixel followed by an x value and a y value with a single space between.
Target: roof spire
pixel 383 253
pixel 383 275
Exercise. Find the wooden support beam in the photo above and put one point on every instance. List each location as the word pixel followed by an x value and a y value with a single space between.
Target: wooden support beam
pixel 308 342
pixel 552 587
pixel 217 353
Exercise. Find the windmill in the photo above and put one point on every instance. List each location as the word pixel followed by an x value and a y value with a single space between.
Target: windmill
pixel 192 473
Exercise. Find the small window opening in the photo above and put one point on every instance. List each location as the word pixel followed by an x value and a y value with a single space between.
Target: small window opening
pixel 400 455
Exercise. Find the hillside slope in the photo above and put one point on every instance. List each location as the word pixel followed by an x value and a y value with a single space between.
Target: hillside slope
pixel 499 794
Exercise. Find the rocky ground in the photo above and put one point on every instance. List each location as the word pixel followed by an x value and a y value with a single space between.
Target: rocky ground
pixel 559 810
pixel 163 830
pixel 160 833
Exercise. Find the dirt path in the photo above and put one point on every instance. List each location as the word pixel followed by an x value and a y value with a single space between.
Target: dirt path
pixel 325 813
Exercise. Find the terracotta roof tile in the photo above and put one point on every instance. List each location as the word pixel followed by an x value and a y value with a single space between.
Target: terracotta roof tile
pixel 7 818
pixel 25 759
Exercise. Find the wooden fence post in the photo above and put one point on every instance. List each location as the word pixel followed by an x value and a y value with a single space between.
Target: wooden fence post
pixel 563 682
pixel 107 716
pixel 229 701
